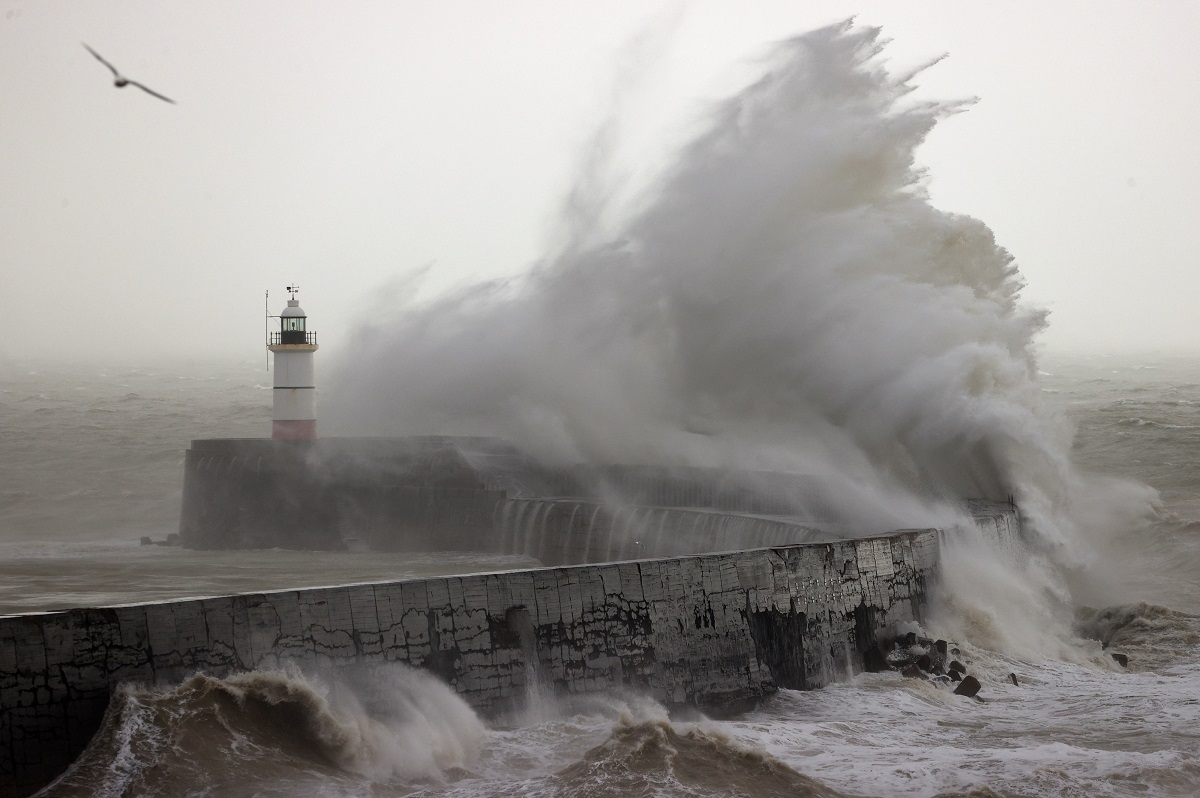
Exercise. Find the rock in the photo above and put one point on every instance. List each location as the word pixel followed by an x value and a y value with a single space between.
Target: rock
pixel 955 665
pixel 925 663
pixel 874 660
pixel 908 640
pixel 969 686
pixel 1121 660
pixel 912 672
pixel 146 541
pixel 1013 676
pixel 956 676
pixel 941 647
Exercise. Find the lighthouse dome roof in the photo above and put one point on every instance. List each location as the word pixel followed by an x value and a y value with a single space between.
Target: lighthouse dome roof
pixel 293 309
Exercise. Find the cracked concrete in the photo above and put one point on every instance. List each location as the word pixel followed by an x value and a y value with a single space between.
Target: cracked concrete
pixel 718 631
pixel 715 631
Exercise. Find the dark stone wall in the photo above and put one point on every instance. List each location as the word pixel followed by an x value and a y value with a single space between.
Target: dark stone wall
pixel 717 632
pixel 399 493
pixel 330 494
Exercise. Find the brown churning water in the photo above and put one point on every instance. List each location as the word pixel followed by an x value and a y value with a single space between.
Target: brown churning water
pixel 783 298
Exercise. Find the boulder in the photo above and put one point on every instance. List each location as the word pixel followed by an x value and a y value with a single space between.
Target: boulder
pixel 874 660
pixel 969 686
pixel 1121 660
pixel 1013 676
pixel 912 672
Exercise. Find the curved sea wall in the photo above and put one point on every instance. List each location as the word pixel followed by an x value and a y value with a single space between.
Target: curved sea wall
pixel 480 494
pixel 579 531
pixel 716 631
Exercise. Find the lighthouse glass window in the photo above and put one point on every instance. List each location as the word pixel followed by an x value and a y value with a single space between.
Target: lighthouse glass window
pixel 292 330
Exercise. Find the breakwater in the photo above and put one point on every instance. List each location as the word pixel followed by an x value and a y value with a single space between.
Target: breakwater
pixel 574 531
pixel 480 494
pixel 716 631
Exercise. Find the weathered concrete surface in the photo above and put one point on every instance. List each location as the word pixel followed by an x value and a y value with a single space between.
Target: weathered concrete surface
pixel 712 631
pixel 406 494
pixel 579 531
pixel 400 494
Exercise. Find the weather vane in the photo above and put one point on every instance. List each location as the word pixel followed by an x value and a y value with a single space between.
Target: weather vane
pixel 292 289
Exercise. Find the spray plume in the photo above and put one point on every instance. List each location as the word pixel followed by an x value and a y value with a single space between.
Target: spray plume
pixel 783 297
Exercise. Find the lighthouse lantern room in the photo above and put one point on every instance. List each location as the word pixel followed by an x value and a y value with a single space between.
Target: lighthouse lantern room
pixel 295 389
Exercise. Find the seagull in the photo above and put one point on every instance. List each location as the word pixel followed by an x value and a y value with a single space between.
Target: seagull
pixel 120 81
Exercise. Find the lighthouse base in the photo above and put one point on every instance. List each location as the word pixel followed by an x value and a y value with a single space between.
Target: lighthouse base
pixel 294 430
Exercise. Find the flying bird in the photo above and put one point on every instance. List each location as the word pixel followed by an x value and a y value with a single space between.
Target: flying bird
pixel 120 81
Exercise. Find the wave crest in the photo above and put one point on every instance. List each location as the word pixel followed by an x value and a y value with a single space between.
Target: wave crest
pixel 653 757
pixel 1152 635
pixel 268 731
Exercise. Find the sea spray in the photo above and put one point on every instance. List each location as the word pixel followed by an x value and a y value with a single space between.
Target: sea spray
pixel 1016 606
pixel 266 732
pixel 1068 729
pixel 783 297
pixel 406 724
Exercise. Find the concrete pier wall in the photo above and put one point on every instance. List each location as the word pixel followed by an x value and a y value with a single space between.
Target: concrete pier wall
pixel 332 494
pixel 578 531
pixel 405 494
pixel 716 631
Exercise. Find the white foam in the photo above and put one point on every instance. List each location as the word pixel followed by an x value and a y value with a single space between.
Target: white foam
pixel 901 737
pixel 411 726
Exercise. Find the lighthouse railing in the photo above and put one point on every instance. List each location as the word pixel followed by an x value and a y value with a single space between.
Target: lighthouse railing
pixel 278 338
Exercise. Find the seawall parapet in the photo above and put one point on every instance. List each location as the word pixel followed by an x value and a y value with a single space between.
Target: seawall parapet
pixel 712 631
pixel 480 494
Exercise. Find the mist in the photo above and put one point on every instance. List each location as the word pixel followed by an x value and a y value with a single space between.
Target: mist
pixel 783 296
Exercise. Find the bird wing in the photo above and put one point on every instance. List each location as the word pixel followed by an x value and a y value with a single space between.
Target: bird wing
pixel 100 58
pixel 152 91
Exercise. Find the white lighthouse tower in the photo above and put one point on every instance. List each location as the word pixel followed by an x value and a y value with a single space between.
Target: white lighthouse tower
pixel 295 415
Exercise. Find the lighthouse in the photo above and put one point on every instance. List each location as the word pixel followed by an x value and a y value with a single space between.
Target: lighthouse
pixel 295 394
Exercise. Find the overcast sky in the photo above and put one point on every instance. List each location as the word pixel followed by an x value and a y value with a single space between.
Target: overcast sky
pixel 343 146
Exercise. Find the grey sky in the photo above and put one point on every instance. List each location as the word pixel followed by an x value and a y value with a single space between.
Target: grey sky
pixel 344 146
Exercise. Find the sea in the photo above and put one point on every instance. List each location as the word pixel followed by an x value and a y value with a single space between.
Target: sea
pixel 93 461
pixel 782 295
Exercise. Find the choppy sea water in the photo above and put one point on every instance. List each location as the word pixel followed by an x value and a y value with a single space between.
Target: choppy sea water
pixel 93 460
pixel 780 294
